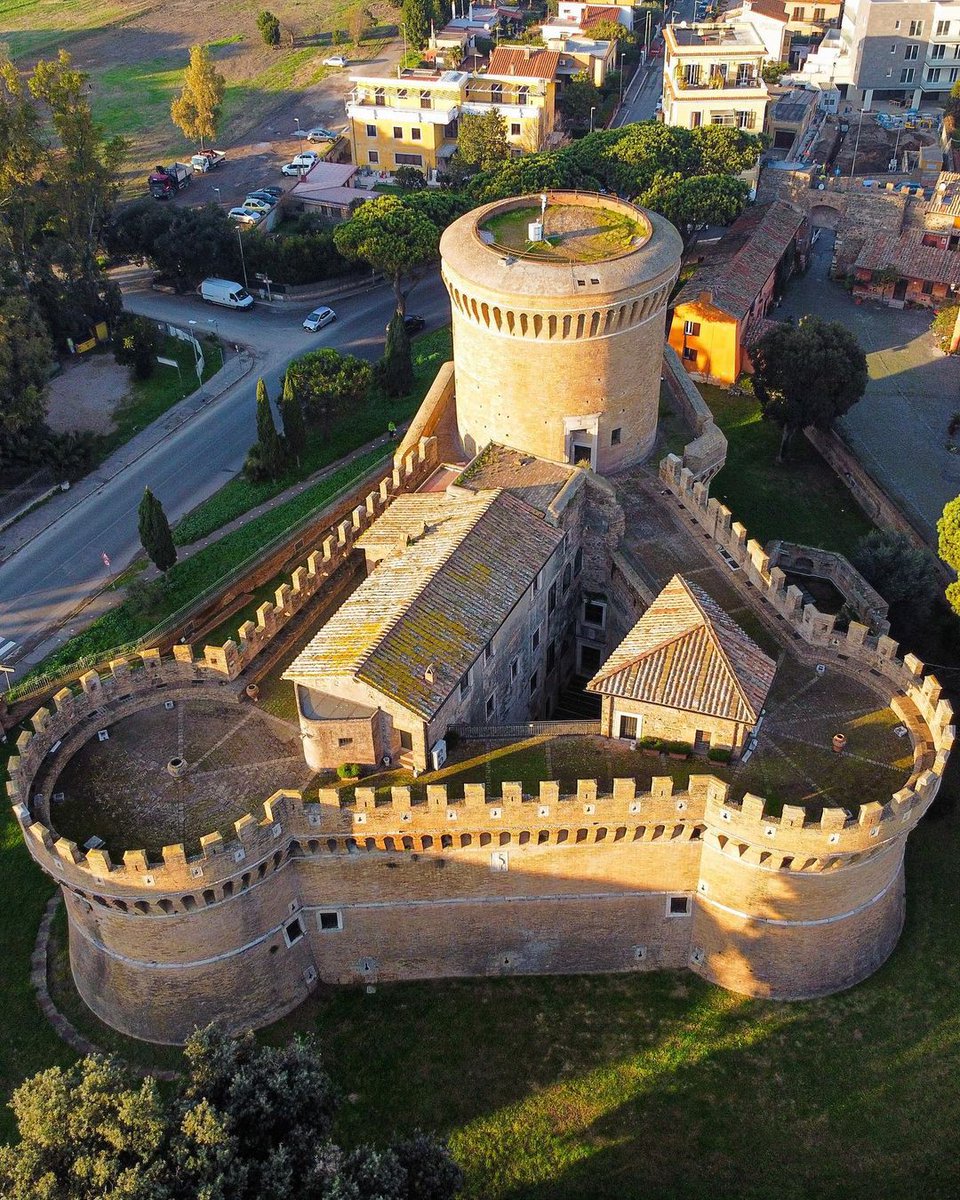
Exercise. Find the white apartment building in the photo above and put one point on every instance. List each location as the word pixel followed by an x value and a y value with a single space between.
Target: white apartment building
pixel 712 76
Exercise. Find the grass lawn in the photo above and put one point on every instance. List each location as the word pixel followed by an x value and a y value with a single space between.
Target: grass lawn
pixel 240 495
pixel 802 501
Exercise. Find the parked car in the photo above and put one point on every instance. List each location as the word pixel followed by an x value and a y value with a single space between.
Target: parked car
pixel 335 60
pixel 244 216
pixel 321 134
pixel 258 202
pixel 225 292
pixel 301 164
pixel 318 318
pixel 272 190
pixel 414 324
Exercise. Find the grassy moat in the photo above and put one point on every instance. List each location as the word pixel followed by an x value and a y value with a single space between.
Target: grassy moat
pixel 572 232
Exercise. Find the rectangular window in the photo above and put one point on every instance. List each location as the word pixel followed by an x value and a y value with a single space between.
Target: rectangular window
pixel 514 128
pixel 916 28
pixel 496 93
pixel 745 120
pixel 415 135
pixel 893 47
pixel 628 728
pixel 819 15
pixel 956 51
pixel 538 582
pixel 594 613
pixel 679 906
pixel 409 160
pixel 954 74
pixel 798 12
pixel 406 739
pixel 374 156
pixel 491 706
pixel 615 435
pixel 552 598
pixel 551 656
pixel 691 74
pixel 933 75
pixel 344 741
pixel 691 328
pixel 937 52
pixel 397 133
pixel 523 95
pixel 426 100
pixel 535 640
pixel 327 922
pixel 514 669
pixel 534 682
pixel 744 75
pixel 943 28
pixel 379 96
pixel 371 131
pixel 465 684
pixel 906 75
pixel 293 931
pixel 577 563
pixel 401 93
pixel 912 51
pixel 488 652
pixel 696 119
pixel 690 353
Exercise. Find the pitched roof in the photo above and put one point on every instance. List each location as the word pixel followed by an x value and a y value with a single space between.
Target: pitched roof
pixel 736 279
pixel 524 62
pixel 776 9
pixel 908 256
pixel 595 13
pixel 686 653
pixel 460 566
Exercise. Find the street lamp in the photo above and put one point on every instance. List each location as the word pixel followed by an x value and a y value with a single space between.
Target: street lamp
pixel 243 262
pixel 196 351
pixel 593 109
pixel 297 119
pixel 217 190
pixel 216 333
pixel 622 57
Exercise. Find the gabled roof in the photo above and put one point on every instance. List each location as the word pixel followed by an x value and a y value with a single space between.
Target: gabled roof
pixel 420 620
pixel 907 255
pixel 524 62
pixel 775 9
pixel 735 281
pixel 686 653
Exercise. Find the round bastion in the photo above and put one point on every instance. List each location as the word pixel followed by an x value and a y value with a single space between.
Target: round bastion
pixel 558 330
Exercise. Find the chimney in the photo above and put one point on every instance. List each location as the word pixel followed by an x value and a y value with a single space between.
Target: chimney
pixel 429 673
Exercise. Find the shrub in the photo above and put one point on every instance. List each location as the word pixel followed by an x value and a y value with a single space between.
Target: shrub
pixel 942 326
pixel 409 179
pixel 348 771
pixel 652 743
pixel 719 754
pixel 135 344
pixel 269 27
pixel 679 748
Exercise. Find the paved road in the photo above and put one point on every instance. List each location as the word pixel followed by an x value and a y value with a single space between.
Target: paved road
pixel 47 579
pixel 899 429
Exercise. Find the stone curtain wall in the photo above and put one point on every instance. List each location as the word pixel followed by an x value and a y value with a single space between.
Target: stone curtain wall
pixel 706 454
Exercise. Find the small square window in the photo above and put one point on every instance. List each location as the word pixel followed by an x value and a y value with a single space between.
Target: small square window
pixel 406 739
pixel 691 328
pixel 371 131
pixel 293 931
pixel 690 353
pixel 515 129
pixel 594 613
pixel 327 922
pixel 615 437
pixel 374 156
pixel 344 741
pixel 679 906
pixel 397 132
pixel 415 134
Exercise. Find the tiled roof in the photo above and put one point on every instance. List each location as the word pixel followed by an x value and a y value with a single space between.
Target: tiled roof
pixel 436 602
pixel 909 258
pixel 686 653
pixel 535 480
pixel 775 9
pixel 524 62
pixel 945 201
pixel 736 280
pixel 593 14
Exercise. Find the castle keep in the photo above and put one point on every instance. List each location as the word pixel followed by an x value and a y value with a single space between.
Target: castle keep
pixel 490 571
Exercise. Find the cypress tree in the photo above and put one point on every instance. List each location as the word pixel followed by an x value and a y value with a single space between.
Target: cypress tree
pixel 396 366
pixel 294 427
pixel 155 535
pixel 271 451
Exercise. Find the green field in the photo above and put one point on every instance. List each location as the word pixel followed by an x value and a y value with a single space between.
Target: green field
pixel 799 501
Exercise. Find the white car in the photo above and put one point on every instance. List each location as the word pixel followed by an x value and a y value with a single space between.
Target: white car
pixel 335 60
pixel 318 318
pixel 244 216
pixel 301 164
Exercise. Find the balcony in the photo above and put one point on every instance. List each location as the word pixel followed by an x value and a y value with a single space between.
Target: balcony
pixel 361 106
pixel 715 82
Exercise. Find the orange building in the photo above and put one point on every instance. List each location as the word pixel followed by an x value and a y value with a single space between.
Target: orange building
pixel 718 311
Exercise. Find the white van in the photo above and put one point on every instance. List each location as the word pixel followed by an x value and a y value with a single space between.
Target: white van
pixel 223 291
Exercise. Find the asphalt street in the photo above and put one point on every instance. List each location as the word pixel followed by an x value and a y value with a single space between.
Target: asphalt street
pixel 46 580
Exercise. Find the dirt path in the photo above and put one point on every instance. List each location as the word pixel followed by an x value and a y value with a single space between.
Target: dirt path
pixel 85 394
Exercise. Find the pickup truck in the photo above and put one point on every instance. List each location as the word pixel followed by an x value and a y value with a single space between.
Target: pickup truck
pixel 166 180
pixel 206 160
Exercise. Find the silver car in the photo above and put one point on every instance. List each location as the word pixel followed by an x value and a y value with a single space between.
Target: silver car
pixel 318 318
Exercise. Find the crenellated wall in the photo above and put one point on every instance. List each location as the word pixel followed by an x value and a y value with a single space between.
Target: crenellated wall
pixel 785 905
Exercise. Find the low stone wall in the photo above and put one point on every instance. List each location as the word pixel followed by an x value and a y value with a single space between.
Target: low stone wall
pixel 707 453
pixel 869 605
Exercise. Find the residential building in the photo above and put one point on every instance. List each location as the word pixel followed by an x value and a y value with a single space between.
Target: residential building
pixel 412 120
pixel 580 55
pixel 586 14
pixel 908 269
pixel 712 76
pixel 687 673
pixel 791 114
pixel 903 50
pixel 770 20
pixel 328 189
pixel 717 313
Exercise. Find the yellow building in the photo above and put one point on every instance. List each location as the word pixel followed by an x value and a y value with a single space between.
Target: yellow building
pixel 413 120
pixel 712 76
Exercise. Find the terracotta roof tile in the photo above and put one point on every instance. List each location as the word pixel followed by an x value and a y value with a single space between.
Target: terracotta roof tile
pixel 686 653
pixel 910 258
pixel 524 62
pixel 436 602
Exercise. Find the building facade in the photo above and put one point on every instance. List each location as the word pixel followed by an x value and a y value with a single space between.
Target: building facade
pixel 711 76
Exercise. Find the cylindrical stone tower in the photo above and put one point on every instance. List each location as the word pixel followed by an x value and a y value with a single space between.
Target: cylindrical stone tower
pixel 558 343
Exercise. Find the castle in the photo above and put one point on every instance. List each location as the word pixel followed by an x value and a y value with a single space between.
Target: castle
pixel 492 573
